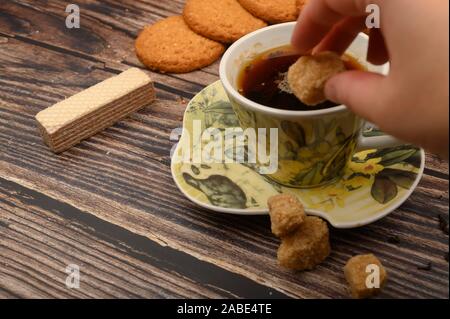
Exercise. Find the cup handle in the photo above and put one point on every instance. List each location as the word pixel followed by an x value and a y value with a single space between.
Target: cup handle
pixel 374 142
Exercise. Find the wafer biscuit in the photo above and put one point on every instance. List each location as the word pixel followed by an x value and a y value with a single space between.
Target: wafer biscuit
pixel 68 122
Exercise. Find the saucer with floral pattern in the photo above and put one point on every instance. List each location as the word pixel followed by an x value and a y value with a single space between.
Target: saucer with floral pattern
pixel 375 183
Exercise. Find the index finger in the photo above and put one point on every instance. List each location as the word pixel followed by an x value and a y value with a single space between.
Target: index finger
pixel 319 17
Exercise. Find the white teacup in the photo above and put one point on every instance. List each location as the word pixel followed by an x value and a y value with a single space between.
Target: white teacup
pixel 314 146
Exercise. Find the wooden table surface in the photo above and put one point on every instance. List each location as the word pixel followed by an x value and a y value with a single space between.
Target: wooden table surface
pixel 110 205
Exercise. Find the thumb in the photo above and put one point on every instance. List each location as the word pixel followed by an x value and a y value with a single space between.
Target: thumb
pixel 360 91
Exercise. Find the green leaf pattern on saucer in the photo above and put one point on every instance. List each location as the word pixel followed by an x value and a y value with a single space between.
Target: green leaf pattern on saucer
pixel 375 182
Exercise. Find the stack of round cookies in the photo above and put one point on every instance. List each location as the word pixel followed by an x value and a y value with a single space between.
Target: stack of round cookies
pixel 181 44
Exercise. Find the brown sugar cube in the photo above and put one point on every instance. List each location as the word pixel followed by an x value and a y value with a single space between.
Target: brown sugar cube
pixel 286 214
pixel 361 277
pixel 308 76
pixel 307 247
pixel 82 115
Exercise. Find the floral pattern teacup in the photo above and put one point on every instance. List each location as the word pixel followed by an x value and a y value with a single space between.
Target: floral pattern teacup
pixel 315 146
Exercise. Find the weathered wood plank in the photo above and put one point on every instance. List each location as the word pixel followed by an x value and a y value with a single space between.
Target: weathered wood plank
pixel 6 294
pixel 27 262
pixel 122 176
pixel 37 246
pixel 39 238
pixel 436 166
pixel 116 24
pixel 107 36
pixel 107 33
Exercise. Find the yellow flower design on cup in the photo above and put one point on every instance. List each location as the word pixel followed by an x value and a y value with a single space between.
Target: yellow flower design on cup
pixel 370 167
pixel 372 181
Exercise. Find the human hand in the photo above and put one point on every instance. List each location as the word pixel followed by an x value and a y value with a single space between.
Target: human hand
pixel 412 102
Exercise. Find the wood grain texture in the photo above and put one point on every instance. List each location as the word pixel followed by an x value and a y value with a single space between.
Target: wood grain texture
pixel 41 236
pixel 107 34
pixel 122 176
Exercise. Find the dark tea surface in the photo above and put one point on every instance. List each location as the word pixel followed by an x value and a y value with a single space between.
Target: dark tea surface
pixel 263 80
